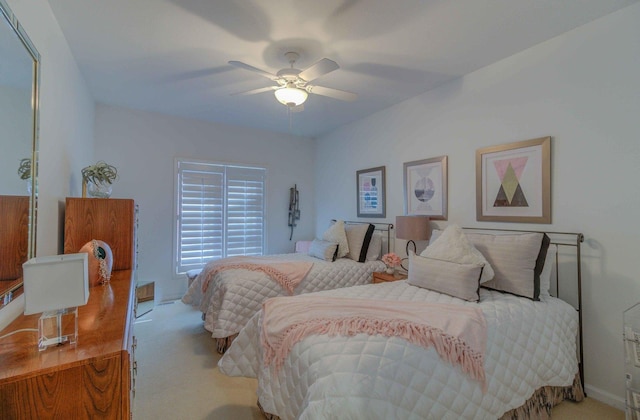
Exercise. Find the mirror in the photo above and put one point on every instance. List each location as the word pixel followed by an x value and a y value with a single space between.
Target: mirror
pixel 19 77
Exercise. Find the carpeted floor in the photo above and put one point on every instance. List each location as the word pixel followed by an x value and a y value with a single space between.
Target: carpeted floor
pixel 178 376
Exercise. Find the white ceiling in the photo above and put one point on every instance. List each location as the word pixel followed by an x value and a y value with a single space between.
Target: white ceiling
pixel 170 56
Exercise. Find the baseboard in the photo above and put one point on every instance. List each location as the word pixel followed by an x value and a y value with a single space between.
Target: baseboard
pixel 605 397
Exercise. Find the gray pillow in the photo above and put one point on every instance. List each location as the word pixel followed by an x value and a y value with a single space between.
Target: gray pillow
pixel 358 239
pixel 375 247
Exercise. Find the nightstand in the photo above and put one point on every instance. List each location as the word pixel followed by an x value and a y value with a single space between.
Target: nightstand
pixel 382 277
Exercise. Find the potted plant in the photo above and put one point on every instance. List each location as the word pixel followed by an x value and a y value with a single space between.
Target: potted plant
pixel 24 170
pixel 97 179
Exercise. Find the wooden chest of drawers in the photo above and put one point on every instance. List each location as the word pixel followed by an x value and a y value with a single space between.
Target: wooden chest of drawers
pixel 382 277
pixel 93 379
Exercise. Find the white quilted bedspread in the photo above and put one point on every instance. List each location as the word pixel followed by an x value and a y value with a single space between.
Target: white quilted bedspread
pixel 234 296
pixel 530 344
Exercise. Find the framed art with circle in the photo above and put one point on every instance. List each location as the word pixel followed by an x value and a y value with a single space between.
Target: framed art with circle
pixel 425 188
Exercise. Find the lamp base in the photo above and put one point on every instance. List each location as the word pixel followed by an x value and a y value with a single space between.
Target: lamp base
pixel 58 327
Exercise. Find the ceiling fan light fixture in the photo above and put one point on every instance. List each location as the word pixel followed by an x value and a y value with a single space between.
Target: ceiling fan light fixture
pixel 291 96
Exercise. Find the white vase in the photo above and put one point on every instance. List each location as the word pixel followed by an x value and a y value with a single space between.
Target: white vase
pixel 390 270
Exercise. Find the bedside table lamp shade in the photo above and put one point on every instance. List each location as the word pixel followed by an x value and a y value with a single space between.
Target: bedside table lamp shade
pixel 412 228
pixel 56 286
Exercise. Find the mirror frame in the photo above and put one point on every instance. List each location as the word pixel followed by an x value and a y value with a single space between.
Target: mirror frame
pixel 12 20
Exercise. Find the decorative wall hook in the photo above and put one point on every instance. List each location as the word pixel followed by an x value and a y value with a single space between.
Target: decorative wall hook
pixel 294 208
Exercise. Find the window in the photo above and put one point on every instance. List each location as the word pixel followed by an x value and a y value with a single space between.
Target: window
pixel 220 212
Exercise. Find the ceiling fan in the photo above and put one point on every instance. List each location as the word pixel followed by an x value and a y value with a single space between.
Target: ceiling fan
pixel 293 86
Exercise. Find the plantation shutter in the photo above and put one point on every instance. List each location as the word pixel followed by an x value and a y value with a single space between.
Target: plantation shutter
pixel 245 211
pixel 220 213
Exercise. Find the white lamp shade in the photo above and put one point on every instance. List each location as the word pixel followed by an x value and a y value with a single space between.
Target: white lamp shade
pixel 55 282
pixel 291 96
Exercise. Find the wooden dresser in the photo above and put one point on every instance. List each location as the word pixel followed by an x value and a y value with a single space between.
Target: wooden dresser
pixel 14 245
pixel 14 235
pixel 96 377
pixel 93 379
pixel 112 220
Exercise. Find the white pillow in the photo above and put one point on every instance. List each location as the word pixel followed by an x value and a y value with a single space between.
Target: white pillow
pixel 451 278
pixel 336 234
pixel 452 245
pixel 358 238
pixel 375 247
pixel 435 234
pixel 549 266
pixel 324 250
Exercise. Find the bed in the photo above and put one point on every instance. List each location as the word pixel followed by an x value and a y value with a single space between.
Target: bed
pixel 531 358
pixel 229 295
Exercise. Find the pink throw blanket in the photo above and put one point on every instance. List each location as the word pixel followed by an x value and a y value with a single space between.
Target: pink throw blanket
pixel 458 333
pixel 287 273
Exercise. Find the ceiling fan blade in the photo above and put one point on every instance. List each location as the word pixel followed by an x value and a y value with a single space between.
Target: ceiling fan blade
pixel 343 95
pixel 254 91
pixel 245 66
pixel 318 69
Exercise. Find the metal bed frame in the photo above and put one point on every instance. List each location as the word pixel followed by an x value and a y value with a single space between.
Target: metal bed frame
pixel 560 239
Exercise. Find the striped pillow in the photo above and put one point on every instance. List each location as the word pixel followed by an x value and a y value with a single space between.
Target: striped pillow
pixel 451 278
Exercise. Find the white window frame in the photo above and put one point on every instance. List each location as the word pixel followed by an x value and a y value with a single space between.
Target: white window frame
pixel 193 164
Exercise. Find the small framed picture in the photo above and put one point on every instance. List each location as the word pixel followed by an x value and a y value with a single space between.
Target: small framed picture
pixel 371 192
pixel 425 188
pixel 513 182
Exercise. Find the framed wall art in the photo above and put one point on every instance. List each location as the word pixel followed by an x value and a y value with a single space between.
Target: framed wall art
pixel 371 192
pixel 425 188
pixel 513 182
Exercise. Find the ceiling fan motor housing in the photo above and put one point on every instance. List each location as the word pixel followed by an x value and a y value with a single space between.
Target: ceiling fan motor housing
pixel 290 75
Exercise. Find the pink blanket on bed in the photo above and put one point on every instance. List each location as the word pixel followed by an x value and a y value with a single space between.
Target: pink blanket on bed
pixel 287 273
pixel 458 333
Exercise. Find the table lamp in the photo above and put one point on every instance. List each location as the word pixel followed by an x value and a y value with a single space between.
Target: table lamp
pixel 56 286
pixel 412 228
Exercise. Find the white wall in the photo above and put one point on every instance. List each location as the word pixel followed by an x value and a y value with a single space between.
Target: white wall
pixel 143 147
pixel 66 122
pixel 581 88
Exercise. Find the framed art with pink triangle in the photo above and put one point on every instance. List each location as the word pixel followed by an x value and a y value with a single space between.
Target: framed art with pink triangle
pixel 513 182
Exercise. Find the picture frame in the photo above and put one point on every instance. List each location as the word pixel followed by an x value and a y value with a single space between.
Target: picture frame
pixel 425 188
pixel 513 182
pixel 371 192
